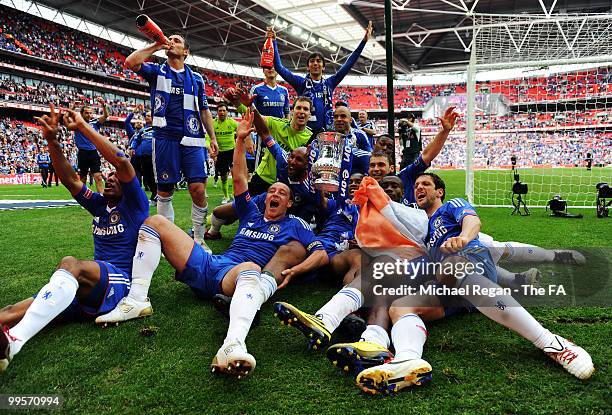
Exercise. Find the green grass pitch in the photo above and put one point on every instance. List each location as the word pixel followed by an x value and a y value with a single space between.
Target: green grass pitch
pixel 479 367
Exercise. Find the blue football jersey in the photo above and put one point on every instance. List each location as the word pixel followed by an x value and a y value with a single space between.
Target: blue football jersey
pixel 408 176
pixel 258 239
pixel 115 229
pixel 445 223
pixel 270 101
pixel 304 203
pixel 83 142
pixel 369 125
pixel 339 226
pixel 43 159
pixel 174 110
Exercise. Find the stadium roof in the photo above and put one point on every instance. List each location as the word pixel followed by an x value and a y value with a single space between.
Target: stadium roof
pixel 428 34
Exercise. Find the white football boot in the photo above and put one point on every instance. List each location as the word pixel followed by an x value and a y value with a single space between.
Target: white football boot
pixel 574 359
pixel 233 359
pixel 127 309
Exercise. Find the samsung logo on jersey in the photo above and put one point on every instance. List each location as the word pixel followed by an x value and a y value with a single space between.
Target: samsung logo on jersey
pixel 109 230
pixel 176 90
pixel 256 235
pixel 273 104
pixel 438 233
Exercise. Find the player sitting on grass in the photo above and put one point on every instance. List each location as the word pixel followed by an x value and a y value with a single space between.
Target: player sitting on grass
pixel 84 288
pixel 453 237
pixel 237 272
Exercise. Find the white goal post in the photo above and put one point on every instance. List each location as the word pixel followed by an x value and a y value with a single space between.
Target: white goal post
pixel 555 73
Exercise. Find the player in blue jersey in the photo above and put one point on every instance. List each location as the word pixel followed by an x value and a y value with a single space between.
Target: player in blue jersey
pixel 43 160
pixel 88 158
pixel 237 272
pixel 180 116
pixel 318 88
pixel 453 239
pixel 270 98
pixel 291 169
pixel 84 288
pixel 366 126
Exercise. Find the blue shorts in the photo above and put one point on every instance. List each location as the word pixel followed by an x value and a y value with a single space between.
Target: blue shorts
pixel 114 284
pixel 204 272
pixel 477 255
pixel 170 158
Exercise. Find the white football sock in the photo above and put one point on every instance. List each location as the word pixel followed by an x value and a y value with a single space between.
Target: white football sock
pixel 51 300
pixel 376 334
pixel 501 308
pixel 198 219
pixel 165 208
pixel 215 224
pixel 520 253
pixel 145 262
pixel 409 335
pixel 505 278
pixel 252 290
pixel 341 305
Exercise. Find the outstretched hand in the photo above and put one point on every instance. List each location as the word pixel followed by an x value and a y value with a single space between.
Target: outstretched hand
pixel 287 275
pixel 368 32
pixel 270 32
pixel 49 124
pixel 243 95
pixel 245 127
pixel 449 119
pixel 73 120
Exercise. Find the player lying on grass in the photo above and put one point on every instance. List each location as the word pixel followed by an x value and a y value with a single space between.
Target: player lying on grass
pixel 236 273
pixel 453 237
pixel 453 228
pixel 84 288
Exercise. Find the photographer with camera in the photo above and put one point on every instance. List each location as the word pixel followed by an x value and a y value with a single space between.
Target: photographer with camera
pixel 410 140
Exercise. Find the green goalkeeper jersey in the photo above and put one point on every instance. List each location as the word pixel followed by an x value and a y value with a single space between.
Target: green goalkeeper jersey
pixel 226 134
pixel 287 138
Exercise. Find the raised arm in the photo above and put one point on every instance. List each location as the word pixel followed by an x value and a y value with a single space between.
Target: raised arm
pixel 62 166
pixel 138 57
pixel 125 172
pixel 128 125
pixel 104 110
pixel 240 173
pixel 336 78
pixel 294 80
pixel 435 146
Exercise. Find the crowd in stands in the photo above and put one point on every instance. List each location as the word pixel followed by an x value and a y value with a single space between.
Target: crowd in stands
pixel 24 33
pixel 499 137
pixel 39 92
pixel 21 141
pixel 532 149
pixel 31 35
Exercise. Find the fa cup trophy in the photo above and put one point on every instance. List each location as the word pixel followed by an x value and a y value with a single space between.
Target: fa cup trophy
pixel 326 170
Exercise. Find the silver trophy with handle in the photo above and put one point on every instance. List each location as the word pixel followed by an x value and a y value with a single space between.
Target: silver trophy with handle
pixel 326 170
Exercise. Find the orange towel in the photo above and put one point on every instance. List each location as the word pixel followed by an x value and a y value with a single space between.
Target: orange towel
pixel 386 224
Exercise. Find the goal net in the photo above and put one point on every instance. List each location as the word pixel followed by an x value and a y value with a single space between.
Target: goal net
pixel 554 79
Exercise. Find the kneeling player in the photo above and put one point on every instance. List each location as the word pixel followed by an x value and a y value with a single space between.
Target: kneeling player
pixel 84 288
pixel 236 273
